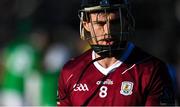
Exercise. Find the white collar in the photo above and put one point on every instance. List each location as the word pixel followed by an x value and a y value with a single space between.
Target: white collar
pixel 103 70
pixel 111 68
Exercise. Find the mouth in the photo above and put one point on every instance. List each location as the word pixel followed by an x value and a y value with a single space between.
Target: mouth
pixel 106 41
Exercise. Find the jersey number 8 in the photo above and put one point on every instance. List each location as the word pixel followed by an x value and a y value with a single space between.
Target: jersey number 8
pixel 103 92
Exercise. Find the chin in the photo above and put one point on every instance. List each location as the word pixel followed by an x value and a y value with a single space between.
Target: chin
pixel 106 43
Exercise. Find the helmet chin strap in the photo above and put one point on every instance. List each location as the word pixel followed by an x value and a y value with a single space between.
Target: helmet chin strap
pixel 114 50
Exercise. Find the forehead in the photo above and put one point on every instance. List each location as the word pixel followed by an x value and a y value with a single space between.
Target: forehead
pixel 102 15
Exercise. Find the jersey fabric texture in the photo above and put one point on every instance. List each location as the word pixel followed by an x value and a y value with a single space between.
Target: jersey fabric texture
pixel 136 79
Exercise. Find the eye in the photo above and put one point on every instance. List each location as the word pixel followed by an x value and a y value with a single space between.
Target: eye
pixel 99 23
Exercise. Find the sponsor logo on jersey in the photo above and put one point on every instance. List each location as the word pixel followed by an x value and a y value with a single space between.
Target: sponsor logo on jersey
pixel 80 87
pixel 126 88
pixel 107 82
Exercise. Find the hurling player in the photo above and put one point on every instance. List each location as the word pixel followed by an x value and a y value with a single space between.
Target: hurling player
pixel 114 72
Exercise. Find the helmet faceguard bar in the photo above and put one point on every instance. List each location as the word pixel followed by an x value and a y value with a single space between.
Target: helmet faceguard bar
pixel 84 16
pixel 100 8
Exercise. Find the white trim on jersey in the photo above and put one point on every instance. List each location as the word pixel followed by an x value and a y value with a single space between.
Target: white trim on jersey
pixel 103 70
pixel 106 71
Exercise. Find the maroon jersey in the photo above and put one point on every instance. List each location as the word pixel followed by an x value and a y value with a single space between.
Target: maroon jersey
pixel 139 79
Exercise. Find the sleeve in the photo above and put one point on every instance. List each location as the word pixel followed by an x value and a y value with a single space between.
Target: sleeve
pixel 62 93
pixel 160 91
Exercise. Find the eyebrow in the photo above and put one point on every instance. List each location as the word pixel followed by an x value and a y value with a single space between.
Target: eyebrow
pixel 100 21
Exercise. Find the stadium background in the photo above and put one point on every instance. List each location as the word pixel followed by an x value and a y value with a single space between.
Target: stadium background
pixel 38 36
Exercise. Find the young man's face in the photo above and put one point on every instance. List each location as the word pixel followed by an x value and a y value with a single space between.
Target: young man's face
pixel 104 27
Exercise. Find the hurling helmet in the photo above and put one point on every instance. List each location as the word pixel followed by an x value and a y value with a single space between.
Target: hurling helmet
pixel 127 23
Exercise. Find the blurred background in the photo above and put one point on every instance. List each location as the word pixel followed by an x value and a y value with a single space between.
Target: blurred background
pixel 38 36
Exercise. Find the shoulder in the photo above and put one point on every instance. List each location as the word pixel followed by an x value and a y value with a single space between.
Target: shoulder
pixel 139 56
pixel 149 65
pixel 156 75
pixel 77 63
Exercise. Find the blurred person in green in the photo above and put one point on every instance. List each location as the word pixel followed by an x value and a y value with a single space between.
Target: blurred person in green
pixel 55 57
pixel 26 77
pixel 28 80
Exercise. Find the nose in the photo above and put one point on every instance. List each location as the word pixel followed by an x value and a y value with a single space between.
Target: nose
pixel 107 28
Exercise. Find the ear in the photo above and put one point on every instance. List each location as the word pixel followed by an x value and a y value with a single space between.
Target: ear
pixel 86 26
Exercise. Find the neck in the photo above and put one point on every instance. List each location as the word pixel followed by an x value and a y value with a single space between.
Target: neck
pixel 106 62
